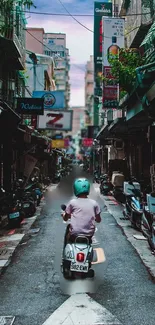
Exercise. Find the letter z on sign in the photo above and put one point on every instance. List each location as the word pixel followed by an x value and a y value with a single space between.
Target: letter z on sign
pixel 55 118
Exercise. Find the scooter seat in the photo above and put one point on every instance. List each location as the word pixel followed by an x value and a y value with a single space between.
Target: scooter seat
pixel 81 239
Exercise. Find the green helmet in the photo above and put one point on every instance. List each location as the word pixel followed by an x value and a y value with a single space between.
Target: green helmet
pixel 81 186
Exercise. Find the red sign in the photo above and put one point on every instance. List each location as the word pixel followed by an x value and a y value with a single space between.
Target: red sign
pixel 107 73
pixel 110 93
pixel 87 142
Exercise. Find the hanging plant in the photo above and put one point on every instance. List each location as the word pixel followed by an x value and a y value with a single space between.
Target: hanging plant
pixel 123 67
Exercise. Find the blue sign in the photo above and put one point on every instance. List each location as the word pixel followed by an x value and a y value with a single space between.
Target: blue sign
pixel 53 100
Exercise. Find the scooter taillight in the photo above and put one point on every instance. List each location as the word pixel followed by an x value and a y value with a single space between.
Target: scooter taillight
pixel 80 257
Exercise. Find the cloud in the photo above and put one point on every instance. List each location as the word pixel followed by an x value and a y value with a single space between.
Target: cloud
pixel 79 40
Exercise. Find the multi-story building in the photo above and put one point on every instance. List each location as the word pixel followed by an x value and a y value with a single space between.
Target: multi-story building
pixel 89 89
pixel 55 46
pixel 40 75
pixel 139 18
pixel 34 40
pixel 12 44
pixel 12 62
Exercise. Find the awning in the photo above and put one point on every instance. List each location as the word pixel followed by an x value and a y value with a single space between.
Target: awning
pixel 102 133
pixel 148 44
pixel 9 119
pixel 117 128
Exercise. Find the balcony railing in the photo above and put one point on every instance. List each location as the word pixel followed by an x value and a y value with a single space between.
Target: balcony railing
pixel 12 29
pixel 138 25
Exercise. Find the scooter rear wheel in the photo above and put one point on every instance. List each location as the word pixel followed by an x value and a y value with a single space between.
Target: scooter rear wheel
pixel 91 273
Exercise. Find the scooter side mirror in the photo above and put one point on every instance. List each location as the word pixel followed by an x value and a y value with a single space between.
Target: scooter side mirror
pixel 63 207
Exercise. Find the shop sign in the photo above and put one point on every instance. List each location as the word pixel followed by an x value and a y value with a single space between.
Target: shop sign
pixel 55 120
pixel 100 9
pixel 61 143
pixel 53 100
pixel 30 106
pixel 113 40
pixel 87 142
pixel 110 93
pixel 110 80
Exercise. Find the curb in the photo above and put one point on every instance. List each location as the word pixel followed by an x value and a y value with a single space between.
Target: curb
pixel 12 239
pixel 140 245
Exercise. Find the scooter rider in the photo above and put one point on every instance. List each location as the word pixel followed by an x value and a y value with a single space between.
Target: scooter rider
pixel 82 211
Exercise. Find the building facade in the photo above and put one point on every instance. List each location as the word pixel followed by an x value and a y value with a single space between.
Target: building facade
pixel 55 46
pixel 89 90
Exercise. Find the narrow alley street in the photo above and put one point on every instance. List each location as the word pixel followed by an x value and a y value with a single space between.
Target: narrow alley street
pixel 32 287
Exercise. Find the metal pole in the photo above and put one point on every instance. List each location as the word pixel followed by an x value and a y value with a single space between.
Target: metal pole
pixel 35 76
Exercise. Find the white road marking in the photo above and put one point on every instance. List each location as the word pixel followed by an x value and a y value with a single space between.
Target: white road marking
pixel 12 237
pixel 2 264
pixel 80 309
pixel 7 320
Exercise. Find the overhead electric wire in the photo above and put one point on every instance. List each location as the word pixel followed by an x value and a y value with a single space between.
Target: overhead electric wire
pixel 85 27
pixel 78 15
pixel 74 17
pixel 58 57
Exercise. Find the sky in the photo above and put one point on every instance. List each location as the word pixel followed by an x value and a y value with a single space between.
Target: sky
pixel 79 39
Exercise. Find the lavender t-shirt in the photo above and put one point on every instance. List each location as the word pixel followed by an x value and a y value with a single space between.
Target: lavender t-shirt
pixel 83 212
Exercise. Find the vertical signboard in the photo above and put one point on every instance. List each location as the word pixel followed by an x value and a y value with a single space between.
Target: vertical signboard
pixel 113 40
pixel 100 9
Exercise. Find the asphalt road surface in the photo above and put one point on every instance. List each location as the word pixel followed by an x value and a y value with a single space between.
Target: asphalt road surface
pixel 32 287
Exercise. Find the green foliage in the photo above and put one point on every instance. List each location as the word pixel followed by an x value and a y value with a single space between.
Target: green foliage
pixel 123 68
pixel 8 4
pixel 8 16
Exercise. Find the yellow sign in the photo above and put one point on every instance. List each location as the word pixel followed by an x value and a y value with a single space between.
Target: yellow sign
pixel 58 144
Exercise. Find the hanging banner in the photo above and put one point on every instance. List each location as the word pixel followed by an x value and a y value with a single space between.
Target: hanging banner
pixel 100 9
pixel 113 40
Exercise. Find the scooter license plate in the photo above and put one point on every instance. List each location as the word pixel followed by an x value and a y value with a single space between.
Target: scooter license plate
pixel 14 215
pixel 26 205
pixel 79 267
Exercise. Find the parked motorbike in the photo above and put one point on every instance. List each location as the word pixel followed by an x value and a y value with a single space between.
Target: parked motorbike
pixel 96 177
pixel 28 204
pixel 77 256
pixel 36 190
pixel 117 182
pixel 134 203
pixel 148 220
pixel 15 212
pixel 105 186
pixel 27 199
pixel 3 208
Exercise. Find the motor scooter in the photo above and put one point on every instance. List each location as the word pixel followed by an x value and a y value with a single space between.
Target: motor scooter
pixel 77 256
pixel 148 220
pixel 15 212
pixel 134 203
pixel 117 182
pixel 105 186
